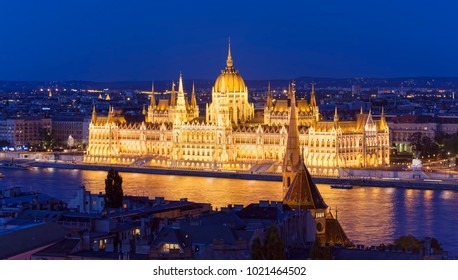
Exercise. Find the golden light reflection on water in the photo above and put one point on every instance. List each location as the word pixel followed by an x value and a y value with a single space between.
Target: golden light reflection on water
pixel 217 191
pixel 369 215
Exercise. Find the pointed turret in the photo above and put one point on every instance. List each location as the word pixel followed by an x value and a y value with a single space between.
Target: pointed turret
pixel 383 124
pixel 94 115
pixel 193 96
pixel 173 100
pixel 180 99
pixel 336 117
pixel 109 117
pixel 289 90
pixel 180 84
pixel 291 160
pixel 313 97
pixel 361 110
pixel 269 97
pixel 229 62
pixel 152 102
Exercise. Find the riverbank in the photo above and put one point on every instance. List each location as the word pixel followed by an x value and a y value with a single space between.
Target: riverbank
pixel 366 182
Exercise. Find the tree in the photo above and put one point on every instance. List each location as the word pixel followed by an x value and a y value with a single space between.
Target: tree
pixel 272 247
pixel 256 249
pixel 424 146
pixel 113 190
pixel 4 143
pixel 408 242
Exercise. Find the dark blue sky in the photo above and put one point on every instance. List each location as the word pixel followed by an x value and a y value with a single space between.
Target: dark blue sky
pixel 146 40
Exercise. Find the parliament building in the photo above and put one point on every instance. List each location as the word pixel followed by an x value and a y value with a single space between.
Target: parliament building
pixel 229 138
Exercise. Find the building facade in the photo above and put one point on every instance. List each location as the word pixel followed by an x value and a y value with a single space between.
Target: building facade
pixel 24 131
pixel 402 128
pixel 172 135
pixel 63 127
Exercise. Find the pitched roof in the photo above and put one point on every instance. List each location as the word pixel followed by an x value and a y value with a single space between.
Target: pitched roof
pixel 60 249
pixel 17 241
pixel 303 193
pixel 335 233
pixel 171 235
pixel 163 105
pixel 281 105
pixel 257 211
pixel 206 234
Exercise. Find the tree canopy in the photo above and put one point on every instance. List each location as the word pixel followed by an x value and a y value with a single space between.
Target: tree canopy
pixel 113 189
pixel 271 248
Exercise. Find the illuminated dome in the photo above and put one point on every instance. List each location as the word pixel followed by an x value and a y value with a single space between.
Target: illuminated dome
pixel 230 79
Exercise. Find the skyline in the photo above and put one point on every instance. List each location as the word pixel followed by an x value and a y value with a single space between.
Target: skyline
pixel 114 41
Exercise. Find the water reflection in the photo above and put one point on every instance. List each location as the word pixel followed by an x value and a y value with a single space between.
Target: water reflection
pixel 369 215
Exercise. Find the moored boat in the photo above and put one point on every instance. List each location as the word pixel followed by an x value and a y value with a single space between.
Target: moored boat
pixel 342 186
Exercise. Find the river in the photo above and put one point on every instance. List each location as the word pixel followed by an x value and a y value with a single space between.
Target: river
pixel 369 215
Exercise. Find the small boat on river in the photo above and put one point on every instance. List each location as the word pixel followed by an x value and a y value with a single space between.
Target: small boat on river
pixel 342 186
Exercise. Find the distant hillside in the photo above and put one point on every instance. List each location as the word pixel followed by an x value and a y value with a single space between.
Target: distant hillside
pixel 301 82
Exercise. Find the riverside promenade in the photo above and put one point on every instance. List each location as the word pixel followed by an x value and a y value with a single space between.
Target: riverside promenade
pixel 368 182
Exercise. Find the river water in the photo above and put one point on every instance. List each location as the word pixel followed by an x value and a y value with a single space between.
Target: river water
pixel 369 215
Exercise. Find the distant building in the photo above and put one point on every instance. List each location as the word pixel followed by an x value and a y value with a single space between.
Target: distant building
pixel 24 131
pixel 85 202
pixel 403 127
pixel 64 126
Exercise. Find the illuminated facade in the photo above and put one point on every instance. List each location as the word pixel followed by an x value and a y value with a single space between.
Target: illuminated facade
pixel 230 139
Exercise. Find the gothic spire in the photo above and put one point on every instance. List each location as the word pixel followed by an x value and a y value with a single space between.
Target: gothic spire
pixel 269 97
pixel 180 84
pixel 173 99
pixel 193 96
pixel 153 98
pixel 229 62
pixel 110 112
pixel 180 102
pixel 94 114
pixel 383 124
pixel 313 97
pixel 291 161
pixel 336 116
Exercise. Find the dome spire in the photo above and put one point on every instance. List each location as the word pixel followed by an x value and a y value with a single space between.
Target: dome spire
pixel 229 62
